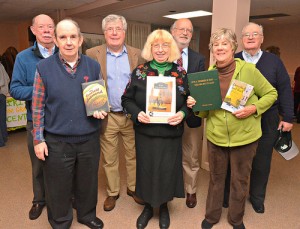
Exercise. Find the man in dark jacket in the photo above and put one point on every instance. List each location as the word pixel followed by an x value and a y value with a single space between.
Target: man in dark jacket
pixel 182 31
pixel 21 89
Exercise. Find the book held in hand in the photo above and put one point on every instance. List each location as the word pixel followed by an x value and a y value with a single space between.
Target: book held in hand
pixel 95 96
pixel 160 98
pixel 237 95
pixel 205 89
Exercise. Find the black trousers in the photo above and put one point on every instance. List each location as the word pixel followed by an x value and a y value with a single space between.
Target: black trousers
pixel 261 164
pixel 71 164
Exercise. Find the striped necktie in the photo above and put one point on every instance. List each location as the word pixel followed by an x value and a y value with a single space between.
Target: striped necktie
pixel 180 61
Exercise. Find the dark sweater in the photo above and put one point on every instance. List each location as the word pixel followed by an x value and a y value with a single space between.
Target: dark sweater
pixel 273 69
pixel 65 113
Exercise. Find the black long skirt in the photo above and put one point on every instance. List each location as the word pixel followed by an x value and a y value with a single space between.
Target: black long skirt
pixel 159 176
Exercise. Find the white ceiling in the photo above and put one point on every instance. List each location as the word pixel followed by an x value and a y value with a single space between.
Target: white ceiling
pixel 150 11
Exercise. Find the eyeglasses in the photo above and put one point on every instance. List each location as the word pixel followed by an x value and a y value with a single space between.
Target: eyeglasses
pixel 184 30
pixel 163 46
pixel 44 27
pixel 254 35
pixel 112 29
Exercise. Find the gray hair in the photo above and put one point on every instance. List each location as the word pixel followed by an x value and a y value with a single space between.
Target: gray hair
pixel 114 18
pixel 72 22
pixel 228 34
pixel 173 26
pixel 252 23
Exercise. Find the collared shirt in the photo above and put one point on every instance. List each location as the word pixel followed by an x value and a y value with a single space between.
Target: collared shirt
pixel 44 51
pixel 118 75
pixel 38 100
pixel 252 59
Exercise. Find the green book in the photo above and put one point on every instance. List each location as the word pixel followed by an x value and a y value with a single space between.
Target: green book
pixel 205 89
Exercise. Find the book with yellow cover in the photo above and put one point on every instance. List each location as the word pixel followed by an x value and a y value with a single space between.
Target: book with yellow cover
pixel 95 97
pixel 237 95
pixel 161 98
pixel 205 89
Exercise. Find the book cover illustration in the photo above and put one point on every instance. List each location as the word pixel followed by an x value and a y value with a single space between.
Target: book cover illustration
pixel 237 95
pixel 95 96
pixel 205 89
pixel 160 98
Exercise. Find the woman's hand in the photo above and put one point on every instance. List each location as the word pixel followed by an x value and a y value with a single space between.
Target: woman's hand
pixel 176 119
pixel 245 112
pixel 190 101
pixel 143 117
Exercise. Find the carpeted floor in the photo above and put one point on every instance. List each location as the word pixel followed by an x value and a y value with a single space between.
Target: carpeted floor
pixel 282 202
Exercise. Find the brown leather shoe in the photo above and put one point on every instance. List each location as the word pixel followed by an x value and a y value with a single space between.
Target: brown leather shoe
pixel 136 199
pixel 191 200
pixel 110 203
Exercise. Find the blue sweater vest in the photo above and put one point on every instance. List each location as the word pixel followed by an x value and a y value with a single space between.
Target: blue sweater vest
pixel 65 114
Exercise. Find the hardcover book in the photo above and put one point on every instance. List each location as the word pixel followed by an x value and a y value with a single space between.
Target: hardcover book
pixel 237 95
pixel 95 96
pixel 160 98
pixel 205 89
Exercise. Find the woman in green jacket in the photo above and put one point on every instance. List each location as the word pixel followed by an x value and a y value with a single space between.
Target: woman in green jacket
pixel 232 136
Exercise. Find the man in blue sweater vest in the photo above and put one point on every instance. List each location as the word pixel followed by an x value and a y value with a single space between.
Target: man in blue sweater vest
pixel 21 89
pixel 274 71
pixel 65 138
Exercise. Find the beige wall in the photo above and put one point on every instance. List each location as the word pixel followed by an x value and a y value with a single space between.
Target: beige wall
pixel 9 36
pixel 287 38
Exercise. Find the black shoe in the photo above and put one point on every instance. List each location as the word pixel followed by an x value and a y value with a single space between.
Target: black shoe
pixel 36 211
pixel 164 217
pixel 94 224
pixel 241 226
pixel 258 208
pixel 206 225
pixel 144 218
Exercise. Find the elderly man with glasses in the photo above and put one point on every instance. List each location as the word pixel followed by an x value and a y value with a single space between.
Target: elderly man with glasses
pixel 117 61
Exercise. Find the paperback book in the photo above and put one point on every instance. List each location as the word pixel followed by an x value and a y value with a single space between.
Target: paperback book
pixel 95 96
pixel 237 96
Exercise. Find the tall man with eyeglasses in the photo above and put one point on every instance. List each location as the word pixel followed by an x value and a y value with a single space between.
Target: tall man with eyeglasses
pixel 117 60
pixel 273 69
pixel 21 88
pixel 182 31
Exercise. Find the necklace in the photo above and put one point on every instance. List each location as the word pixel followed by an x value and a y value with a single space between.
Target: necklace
pixel 160 67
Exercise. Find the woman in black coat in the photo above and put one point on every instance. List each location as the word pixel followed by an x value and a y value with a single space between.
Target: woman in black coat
pixel 158 145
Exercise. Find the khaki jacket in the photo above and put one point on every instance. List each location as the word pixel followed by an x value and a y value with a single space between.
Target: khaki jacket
pixel 98 53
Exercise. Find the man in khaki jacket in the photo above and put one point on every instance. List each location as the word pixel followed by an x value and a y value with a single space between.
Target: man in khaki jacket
pixel 117 61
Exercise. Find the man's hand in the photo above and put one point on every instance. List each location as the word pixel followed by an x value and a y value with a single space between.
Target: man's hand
pixel 286 126
pixel 41 150
pixel 99 114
